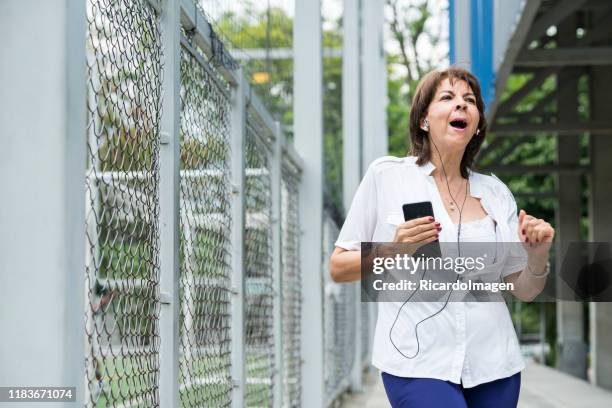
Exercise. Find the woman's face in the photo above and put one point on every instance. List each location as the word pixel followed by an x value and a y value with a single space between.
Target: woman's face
pixel 453 116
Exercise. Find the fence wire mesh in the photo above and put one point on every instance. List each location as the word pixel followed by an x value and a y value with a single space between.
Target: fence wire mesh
pixel 252 31
pixel 124 67
pixel 205 241
pixel 338 322
pixel 291 284
pixel 258 266
pixel 124 73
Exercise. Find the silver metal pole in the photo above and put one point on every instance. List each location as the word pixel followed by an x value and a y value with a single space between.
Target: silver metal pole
pixel 351 145
pixel 351 101
pixel 374 89
pixel 373 79
pixel 275 169
pixel 238 129
pixel 308 128
pixel 42 211
pixel 463 51
pixel 169 202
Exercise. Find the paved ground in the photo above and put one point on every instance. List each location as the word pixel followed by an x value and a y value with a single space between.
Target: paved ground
pixel 541 387
pixel 373 395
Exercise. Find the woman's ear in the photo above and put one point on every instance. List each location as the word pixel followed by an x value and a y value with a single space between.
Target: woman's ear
pixel 425 125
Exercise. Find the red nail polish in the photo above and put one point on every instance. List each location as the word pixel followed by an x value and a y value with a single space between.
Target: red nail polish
pixel 537 240
pixel 526 239
pixel 439 228
pixel 523 232
pixel 431 218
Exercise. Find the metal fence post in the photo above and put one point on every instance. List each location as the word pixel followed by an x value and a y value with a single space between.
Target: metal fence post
pixel 352 143
pixel 169 187
pixel 373 83
pixel 276 168
pixel 42 211
pixel 238 129
pixel 308 127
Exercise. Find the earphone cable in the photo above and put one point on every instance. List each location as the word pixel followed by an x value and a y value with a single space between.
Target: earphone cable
pixel 416 326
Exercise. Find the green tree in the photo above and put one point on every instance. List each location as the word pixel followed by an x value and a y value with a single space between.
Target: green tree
pixel 273 28
pixel 410 23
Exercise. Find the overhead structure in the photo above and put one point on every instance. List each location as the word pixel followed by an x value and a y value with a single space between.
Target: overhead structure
pixel 561 51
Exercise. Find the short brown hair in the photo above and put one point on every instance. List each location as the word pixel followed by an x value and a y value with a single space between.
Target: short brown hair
pixel 425 92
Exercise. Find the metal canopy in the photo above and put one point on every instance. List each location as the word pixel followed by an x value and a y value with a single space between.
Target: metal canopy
pixel 535 48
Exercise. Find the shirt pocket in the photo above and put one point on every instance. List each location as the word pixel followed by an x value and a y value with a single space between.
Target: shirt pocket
pixel 386 228
pixel 394 218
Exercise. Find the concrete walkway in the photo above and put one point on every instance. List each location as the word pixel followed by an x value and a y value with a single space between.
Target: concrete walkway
pixel 372 396
pixel 541 387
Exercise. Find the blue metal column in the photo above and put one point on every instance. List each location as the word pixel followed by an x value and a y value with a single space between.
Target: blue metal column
pixel 482 46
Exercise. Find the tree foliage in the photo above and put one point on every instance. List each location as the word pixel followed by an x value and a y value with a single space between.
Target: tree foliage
pixel 410 25
pixel 271 29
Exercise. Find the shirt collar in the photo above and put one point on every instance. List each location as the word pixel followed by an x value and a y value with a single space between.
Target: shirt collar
pixel 475 185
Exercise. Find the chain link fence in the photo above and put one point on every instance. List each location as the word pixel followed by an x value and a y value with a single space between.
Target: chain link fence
pixel 291 284
pixel 339 322
pixel 124 67
pixel 125 71
pixel 205 235
pixel 258 264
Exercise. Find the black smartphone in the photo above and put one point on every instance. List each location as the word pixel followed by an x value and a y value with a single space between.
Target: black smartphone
pixel 418 210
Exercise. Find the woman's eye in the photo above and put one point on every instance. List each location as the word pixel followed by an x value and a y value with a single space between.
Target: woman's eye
pixel 445 97
pixel 470 100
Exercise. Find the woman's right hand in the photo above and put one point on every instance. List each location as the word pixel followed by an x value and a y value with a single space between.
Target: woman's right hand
pixel 419 231
pixel 415 233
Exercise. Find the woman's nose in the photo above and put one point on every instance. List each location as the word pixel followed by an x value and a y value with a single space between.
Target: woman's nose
pixel 461 106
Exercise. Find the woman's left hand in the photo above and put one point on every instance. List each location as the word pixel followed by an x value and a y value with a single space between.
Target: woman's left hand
pixel 536 234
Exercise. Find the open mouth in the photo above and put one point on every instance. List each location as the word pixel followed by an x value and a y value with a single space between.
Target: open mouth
pixel 459 124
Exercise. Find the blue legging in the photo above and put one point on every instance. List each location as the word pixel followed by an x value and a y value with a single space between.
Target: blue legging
pixel 431 393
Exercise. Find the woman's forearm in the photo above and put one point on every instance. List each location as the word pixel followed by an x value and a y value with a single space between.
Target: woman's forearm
pixel 345 266
pixel 527 286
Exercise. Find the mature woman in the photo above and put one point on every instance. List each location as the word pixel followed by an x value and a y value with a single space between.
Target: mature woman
pixel 446 354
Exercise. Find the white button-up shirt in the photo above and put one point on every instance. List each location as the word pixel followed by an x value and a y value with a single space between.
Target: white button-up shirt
pixel 468 342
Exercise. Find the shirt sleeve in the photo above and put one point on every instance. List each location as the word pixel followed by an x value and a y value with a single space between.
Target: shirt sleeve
pixel 360 221
pixel 516 258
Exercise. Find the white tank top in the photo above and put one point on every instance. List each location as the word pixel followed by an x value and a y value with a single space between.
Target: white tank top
pixel 482 231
